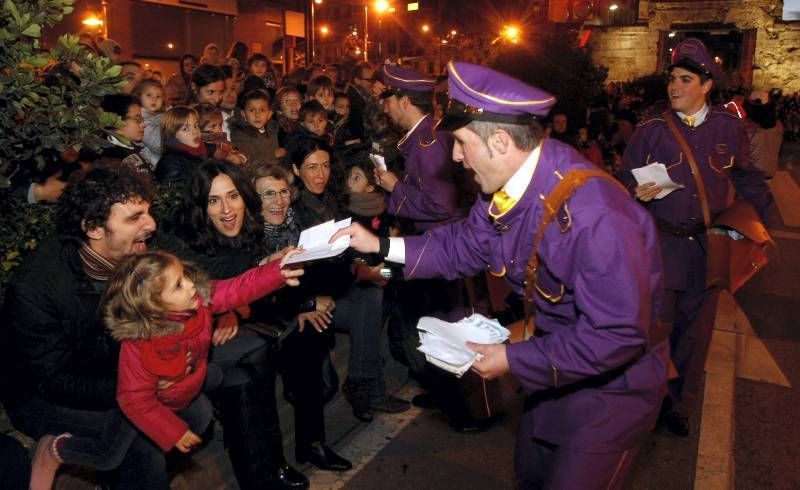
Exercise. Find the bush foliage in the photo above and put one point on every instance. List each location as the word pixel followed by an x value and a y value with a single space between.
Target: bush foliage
pixel 40 114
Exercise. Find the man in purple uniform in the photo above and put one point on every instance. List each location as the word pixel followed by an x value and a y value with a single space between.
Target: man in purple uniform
pixel 719 142
pixel 427 193
pixel 594 373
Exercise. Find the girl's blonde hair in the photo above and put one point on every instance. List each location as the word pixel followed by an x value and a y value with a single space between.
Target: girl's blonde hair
pixel 173 120
pixel 133 306
pixel 143 85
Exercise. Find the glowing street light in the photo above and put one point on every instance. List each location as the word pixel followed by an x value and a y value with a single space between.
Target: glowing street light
pixel 170 46
pixel 613 7
pixel 453 32
pixel 381 6
pixel 92 21
pixel 426 28
pixel 511 33
pixel 324 30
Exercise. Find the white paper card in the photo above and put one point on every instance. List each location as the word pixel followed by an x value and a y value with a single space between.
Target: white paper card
pixel 444 343
pixel 378 161
pixel 656 172
pixel 315 244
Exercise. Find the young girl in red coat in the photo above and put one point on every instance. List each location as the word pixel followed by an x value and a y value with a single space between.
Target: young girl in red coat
pixel 161 310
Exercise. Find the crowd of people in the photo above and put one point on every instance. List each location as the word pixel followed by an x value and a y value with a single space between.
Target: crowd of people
pixel 129 335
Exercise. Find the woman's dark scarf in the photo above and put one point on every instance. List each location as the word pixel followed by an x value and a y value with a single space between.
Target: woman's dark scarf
pixel 278 237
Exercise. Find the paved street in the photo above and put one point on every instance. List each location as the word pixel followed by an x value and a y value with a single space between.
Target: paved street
pixel 745 438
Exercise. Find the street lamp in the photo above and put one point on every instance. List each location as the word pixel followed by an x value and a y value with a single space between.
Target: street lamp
pixel 311 51
pixel 426 28
pixel 380 6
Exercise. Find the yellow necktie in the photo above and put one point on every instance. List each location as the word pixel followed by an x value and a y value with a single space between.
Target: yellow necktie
pixel 689 120
pixel 503 201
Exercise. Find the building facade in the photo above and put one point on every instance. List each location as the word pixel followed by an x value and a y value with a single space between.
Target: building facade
pixel 754 46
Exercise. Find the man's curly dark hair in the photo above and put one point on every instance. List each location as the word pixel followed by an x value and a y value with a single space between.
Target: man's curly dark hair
pixel 86 204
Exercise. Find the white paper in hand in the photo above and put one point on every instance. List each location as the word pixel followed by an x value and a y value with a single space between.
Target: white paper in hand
pixel 315 244
pixel 378 161
pixel 656 172
pixel 444 344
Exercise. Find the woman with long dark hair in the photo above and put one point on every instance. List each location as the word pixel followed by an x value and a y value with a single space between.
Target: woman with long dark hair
pixel 207 86
pixel 219 227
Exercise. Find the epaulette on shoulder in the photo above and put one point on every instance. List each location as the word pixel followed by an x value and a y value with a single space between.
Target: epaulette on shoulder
pixel 650 121
pixel 725 112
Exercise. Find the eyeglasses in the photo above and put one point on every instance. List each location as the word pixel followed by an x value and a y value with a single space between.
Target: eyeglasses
pixel 270 194
pixel 136 119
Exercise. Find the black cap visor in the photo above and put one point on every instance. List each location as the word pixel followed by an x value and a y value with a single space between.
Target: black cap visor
pixel 459 115
pixel 690 65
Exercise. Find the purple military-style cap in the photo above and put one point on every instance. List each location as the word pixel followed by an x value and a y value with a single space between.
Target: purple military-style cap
pixel 481 94
pixel 400 81
pixel 691 54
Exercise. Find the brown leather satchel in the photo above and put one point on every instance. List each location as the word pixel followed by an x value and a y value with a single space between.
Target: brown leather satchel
pixel 735 262
pixel 729 263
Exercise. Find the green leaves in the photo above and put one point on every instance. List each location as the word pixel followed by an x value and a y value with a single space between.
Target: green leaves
pixel 40 117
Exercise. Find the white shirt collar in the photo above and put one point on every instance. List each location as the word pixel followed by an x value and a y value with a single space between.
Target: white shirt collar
pixel 699 116
pixel 516 185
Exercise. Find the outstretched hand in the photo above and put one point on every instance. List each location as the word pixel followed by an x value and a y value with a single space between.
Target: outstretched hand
pixel 361 239
pixel 293 271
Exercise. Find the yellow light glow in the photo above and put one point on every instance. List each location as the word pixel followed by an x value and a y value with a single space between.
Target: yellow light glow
pixel 170 45
pixel 412 6
pixel 453 32
pixel 92 21
pixel 444 41
pixel 391 10
pixel 381 6
pixel 318 2
pixel 324 29
pixel 511 32
pixel 613 7
pixel 426 28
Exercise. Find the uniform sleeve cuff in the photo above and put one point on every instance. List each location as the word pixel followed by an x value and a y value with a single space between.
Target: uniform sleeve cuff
pixel 397 250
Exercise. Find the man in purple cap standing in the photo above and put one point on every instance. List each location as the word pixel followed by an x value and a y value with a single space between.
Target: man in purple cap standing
pixel 719 143
pixel 427 193
pixel 595 372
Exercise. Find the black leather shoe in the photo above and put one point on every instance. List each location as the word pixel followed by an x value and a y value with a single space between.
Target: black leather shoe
pixel 391 404
pixel 288 477
pixel 674 423
pixel 322 457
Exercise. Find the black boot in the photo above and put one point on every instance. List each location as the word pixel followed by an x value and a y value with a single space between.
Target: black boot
pixel 251 429
pixel 356 391
pixel 322 457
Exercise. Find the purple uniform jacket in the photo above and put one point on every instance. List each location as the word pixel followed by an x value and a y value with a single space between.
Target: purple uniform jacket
pixel 720 147
pixel 427 193
pixel 593 384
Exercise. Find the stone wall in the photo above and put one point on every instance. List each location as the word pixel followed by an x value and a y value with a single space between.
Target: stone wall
pixel 777 59
pixel 627 52
pixel 631 51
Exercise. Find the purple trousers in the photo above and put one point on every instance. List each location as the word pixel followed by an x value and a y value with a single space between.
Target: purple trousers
pixel 541 465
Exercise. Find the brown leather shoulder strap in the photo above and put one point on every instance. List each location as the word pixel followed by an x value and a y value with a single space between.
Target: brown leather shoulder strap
pixel 552 204
pixel 698 179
